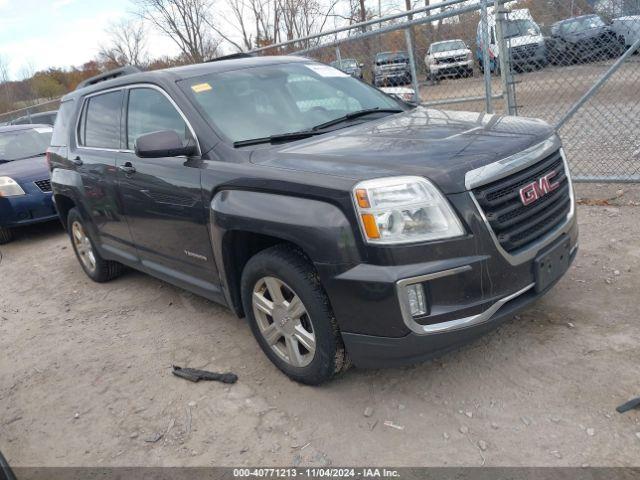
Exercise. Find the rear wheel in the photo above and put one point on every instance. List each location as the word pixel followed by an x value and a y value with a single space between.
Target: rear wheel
pixel 6 235
pixel 290 315
pixel 96 268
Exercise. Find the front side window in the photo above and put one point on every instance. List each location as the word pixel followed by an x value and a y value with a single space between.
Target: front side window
pixel 150 111
pixel 100 123
pixel 26 143
pixel 278 99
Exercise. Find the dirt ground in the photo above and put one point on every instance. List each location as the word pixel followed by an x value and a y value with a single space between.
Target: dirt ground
pixel 85 373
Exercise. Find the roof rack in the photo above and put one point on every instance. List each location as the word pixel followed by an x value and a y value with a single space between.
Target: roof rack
pixel 111 74
pixel 233 56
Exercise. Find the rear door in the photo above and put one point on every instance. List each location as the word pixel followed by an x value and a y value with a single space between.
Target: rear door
pixel 97 145
pixel 162 197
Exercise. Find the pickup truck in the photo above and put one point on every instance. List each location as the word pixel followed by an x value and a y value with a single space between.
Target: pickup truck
pixel 347 226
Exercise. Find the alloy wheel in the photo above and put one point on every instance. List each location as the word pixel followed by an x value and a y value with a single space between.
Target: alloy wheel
pixel 283 321
pixel 83 246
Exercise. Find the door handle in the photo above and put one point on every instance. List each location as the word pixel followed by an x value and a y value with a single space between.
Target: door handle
pixel 127 168
pixel 77 161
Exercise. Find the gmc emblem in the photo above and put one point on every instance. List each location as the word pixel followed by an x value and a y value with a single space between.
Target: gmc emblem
pixel 535 190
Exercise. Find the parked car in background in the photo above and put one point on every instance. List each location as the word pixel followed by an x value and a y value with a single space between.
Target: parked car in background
pixel 349 66
pixel 25 188
pixel 523 38
pixel 627 28
pixel 391 68
pixel 359 229
pixel 406 94
pixel 582 39
pixel 42 118
pixel 449 58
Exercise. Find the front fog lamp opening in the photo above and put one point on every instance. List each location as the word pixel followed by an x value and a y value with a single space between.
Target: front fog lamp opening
pixel 416 300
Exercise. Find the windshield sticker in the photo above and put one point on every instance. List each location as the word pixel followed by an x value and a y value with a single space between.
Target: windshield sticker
pixel 201 87
pixel 326 71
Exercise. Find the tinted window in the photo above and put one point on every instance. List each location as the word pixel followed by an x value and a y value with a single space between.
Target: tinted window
pixel 448 46
pixel 61 127
pixel 150 111
pixel 101 121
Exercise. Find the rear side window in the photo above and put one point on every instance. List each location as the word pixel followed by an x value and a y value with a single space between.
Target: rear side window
pixel 60 136
pixel 100 123
pixel 150 111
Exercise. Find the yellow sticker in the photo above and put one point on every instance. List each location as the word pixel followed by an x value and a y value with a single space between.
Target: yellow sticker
pixel 201 87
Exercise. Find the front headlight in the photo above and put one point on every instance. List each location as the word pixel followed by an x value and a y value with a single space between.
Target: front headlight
pixel 9 187
pixel 404 210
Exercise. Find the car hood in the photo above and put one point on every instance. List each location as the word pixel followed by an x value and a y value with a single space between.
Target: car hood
pixel 34 168
pixel 452 53
pixel 440 145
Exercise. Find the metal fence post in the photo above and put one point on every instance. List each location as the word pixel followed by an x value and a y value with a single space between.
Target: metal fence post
pixel 412 65
pixel 338 56
pixel 503 58
pixel 486 63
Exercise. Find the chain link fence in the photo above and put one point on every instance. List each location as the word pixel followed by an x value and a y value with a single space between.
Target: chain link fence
pixel 573 63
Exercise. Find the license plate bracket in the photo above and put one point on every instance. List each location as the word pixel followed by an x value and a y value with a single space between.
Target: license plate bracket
pixel 551 264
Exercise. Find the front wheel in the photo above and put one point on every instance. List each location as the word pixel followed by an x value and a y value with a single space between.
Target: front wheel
pixel 6 235
pixel 97 268
pixel 290 315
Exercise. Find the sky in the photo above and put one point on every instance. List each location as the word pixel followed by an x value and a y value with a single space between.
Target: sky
pixel 62 33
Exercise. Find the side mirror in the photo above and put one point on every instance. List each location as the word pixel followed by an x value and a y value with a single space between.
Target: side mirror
pixel 361 65
pixel 166 143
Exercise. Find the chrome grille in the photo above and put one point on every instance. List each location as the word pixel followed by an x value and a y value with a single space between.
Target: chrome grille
pixel 517 225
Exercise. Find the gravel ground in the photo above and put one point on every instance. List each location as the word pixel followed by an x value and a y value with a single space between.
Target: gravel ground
pixel 85 373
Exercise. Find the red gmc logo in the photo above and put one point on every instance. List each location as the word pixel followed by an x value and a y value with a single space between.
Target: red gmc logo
pixel 535 190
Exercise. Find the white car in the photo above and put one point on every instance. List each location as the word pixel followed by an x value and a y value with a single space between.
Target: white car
pixel 450 58
pixel 627 27
pixel 405 94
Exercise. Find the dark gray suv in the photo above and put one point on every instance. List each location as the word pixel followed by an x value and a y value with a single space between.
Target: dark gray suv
pixel 345 225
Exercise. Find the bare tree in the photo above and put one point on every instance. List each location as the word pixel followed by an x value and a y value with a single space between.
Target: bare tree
pixel 185 22
pixel 252 21
pixel 127 44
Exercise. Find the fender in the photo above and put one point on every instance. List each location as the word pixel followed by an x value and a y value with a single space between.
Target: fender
pixel 319 228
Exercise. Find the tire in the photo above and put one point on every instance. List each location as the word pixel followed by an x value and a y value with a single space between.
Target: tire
pixel 289 274
pixel 6 235
pixel 97 268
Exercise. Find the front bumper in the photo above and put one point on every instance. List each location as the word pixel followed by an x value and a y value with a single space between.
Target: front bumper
pixel 33 207
pixel 447 69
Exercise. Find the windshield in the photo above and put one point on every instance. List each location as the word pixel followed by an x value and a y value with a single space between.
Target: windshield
pixel 18 144
pixel 391 57
pixel 521 28
pixel 278 99
pixel 581 24
pixel 448 46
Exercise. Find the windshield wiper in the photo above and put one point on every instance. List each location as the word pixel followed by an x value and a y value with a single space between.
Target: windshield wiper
pixel 281 137
pixel 352 115
pixel 317 130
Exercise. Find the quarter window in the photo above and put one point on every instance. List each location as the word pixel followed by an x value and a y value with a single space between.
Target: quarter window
pixel 100 125
pixel 150 111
